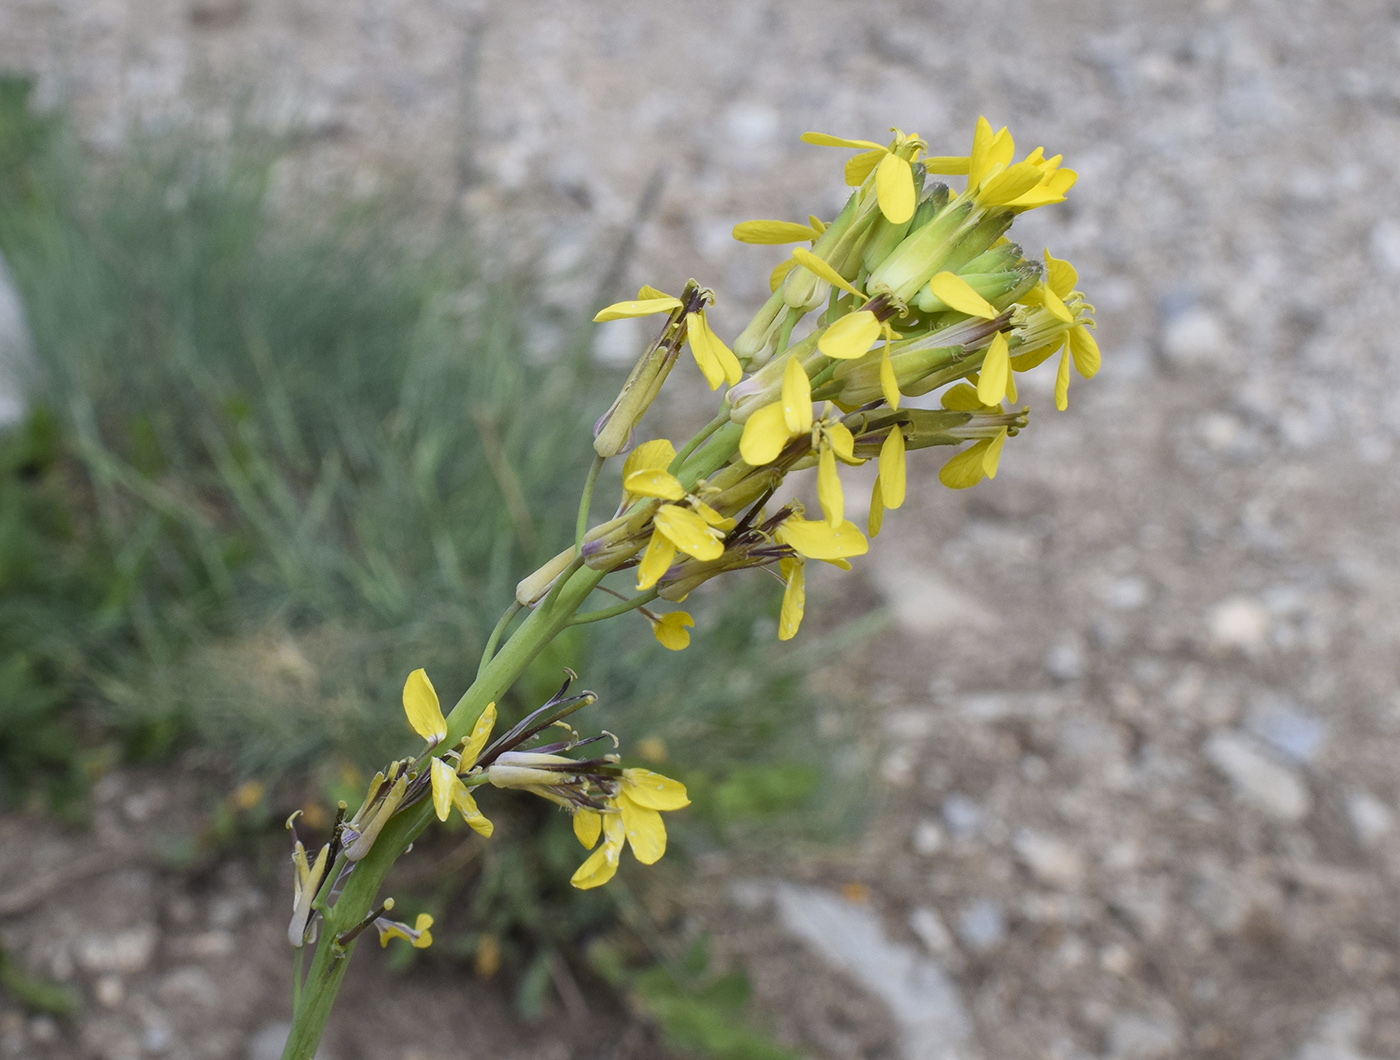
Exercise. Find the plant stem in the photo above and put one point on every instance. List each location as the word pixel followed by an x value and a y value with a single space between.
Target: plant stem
pixel 703 434
pixel 495 638
pixel 616 609
pixel 581 525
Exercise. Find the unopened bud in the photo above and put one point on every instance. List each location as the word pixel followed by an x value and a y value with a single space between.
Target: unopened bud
pixel 533 587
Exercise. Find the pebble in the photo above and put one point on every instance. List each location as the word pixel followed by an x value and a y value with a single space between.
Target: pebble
pixel 1287 728
pixel 1134 1036
pixel 1266 784
pixel 982 925
pixel 927 838
pixel 109 991
pixel 922 998
pixel 125 953
pixel 1065 659
pixel 925 923
pixel 1194 337
pixel 1385 244
pixel 1370 818
pixel 962 815
pixel 1239 623
pixel 1052 861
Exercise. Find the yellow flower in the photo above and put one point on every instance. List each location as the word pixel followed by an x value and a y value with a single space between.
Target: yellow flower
pixel 973 464
pixel 810 539
pixel 888 491
pixel 419 934
pixel 1074 340
pixel 448 789
pixel 385 793
pixel 894 176
pixel 633 815
pixel 692 527
pixel 306 882
pixel 670 629
pixel 993 180
pixel 420 703
pixel 715 360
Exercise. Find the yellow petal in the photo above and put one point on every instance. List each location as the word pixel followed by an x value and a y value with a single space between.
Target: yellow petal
pixel 794 598
pixel 657 454
pixel 716 360
pixel 1024 362
pixel 466 806
pixel 894 188
pixel 956 292
pixel 481 732
pixel 646 788
pixel 829 492
pixel 818 539
pixel 993 454
pixel 996 371
pixel 891 480
pixel 588 825
pixel 670 630
pixel 1010 184
pixel 646 832
pixel 1084 350
pixel 1054 303
pixel 688 532
pixel 420 703
pixel 962 398
pixel 1060 275
pixel 719 522
pixel 656 560
pixel 444 782
pixel 978 165
pixel 827 140
pixel 814 264
pixel 425 937
pixel 858 167
pixel 780 271
pixel 646 291
pixel 797 398
pixel 947 165
pixel 851 336
pixel 1062 382
pixel 773 233
pixel 889 385
pixel 638 307
pixel 876 518
pixel 965 469
pixel 765 434
pixel 652 483
pixel 598 869
pixel 838 435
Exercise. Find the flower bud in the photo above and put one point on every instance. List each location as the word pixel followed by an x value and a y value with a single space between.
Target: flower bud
pixel 533 587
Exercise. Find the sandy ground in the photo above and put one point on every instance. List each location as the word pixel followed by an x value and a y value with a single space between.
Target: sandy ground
pixel 1140 707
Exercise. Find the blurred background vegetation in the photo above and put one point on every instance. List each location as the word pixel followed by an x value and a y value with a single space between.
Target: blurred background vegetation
pixel 278 455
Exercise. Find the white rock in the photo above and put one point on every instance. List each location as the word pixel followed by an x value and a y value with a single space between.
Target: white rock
pixel 1370 818
pixel 1195 337
pixel 1052 861
pixel 982 926
pixel 1239 623
pixel 1385 244
pixel 922 998
pixel 922 602
pixel 1138 1037
pixel 1258 779
pixel 927 838
pixel 124 953
pixel 932 932
pixel 109 991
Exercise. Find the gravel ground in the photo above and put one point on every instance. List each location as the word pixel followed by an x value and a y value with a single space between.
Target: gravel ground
pixel 1140 707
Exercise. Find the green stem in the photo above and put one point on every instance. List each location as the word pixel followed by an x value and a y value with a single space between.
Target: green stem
pixel 298 973
pixel 785 332
pixel 613 611
pixel 704 433
pixel 585 502
pixel 495 638
pixel 362 888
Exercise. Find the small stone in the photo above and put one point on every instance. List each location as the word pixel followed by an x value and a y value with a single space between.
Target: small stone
pixel 1126 594
pixel 125 953
pixel 982 926
pixel 1140 1037
pixel 1065 659
pixel 43 1029
pixel 109 991
pixel 1385 244
pixel 1116 958
pixel 927 838
pixel 189 986
pixel 962 816
pixel 1370 818
pixel 1195 337
pixel 1052 861
pixel 931 931
pixel 1239 623
pixel 1259 780
pixel 1289 729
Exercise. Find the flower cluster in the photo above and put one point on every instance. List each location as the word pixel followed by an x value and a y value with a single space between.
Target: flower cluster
pixel 912 288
